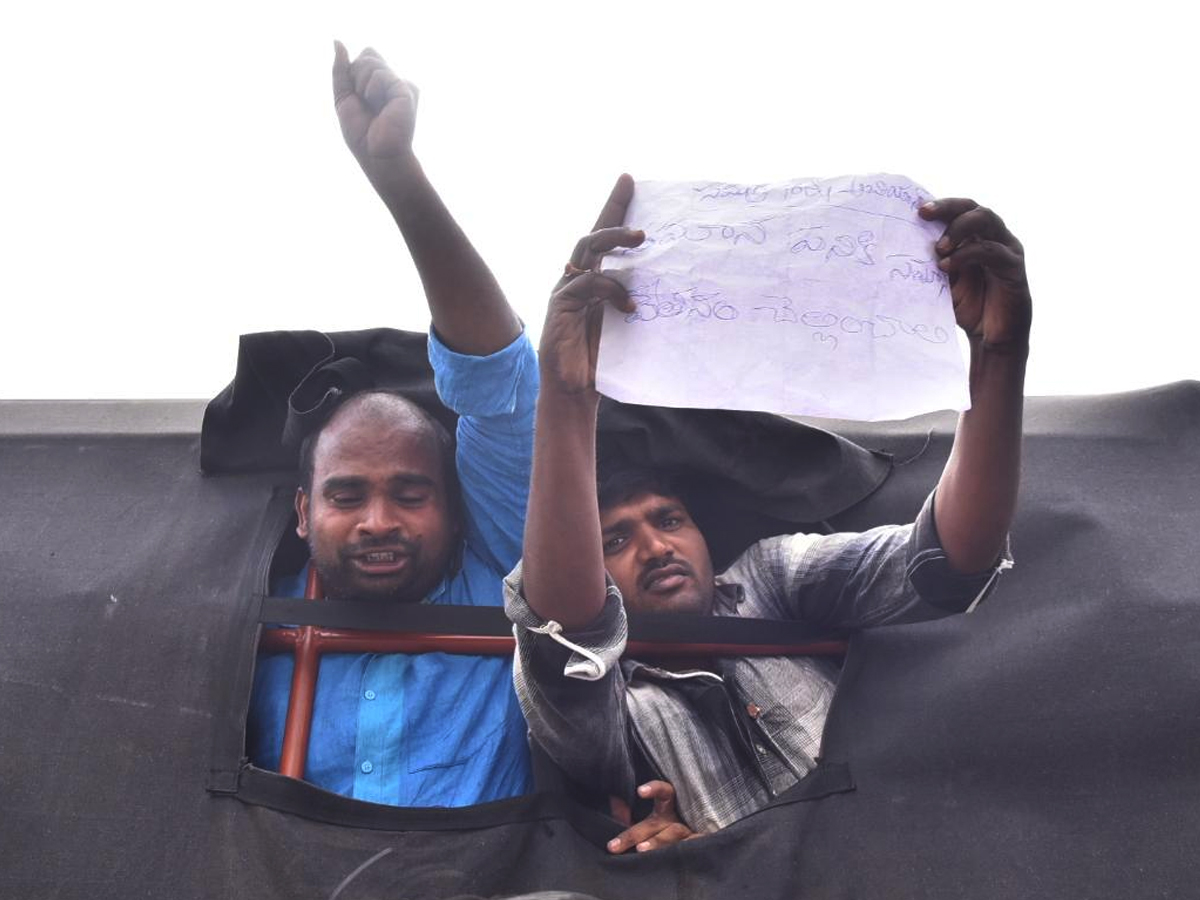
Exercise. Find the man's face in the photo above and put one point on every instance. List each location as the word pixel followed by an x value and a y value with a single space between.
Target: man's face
pixel 657 556
pixel 378 522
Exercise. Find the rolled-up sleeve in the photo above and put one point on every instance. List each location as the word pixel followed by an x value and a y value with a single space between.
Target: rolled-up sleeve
pixel 886 575
pixel 932 577
pixel 572 690
pixel 495 397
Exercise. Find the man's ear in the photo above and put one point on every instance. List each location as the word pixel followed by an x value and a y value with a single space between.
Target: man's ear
pixel 302 514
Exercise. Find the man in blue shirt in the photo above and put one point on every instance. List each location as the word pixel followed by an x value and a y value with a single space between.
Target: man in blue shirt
pixel 390 514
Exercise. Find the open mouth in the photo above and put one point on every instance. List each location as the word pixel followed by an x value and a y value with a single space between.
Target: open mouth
pixel 381 562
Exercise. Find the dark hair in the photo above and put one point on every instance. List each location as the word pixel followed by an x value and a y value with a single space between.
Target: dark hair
pixel 617 484
pixel 441 436
pixel 305 465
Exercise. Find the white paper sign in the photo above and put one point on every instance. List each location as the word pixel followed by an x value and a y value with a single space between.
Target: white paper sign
pixel 810 297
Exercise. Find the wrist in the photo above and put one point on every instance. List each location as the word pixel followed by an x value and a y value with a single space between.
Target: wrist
pixel 564 392
pixel 997 369
pixel 399 183
pixel 1016 349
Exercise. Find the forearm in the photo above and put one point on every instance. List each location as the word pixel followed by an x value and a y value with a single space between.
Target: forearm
pixel 581 723
pixel 469 310
pixel 564 561
pixel 977 494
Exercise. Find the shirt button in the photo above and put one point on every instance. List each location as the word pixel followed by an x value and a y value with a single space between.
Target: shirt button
pixel 367 767
pixel 370 695
pixel 752 710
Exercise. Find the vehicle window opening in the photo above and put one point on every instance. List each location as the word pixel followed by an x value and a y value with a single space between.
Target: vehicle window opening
pixel 308 643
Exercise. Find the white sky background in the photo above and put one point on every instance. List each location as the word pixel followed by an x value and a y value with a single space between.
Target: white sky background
pixel 172 179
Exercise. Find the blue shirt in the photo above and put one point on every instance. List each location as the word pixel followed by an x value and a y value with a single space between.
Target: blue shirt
pixel 431 729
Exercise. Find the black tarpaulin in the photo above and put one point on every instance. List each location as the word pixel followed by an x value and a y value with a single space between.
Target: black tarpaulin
pixel 287 383
pixel 1047 745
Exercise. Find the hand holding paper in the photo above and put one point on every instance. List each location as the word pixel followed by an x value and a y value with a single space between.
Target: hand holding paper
pixel 986 266
pixel 808 297
pixel 571 336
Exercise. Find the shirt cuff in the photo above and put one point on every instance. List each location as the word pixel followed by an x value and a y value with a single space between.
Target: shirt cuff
pixel 593 651
pixel 480 386
pixel 935 581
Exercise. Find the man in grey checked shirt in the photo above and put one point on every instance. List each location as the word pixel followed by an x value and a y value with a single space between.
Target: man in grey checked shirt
pixel 732 734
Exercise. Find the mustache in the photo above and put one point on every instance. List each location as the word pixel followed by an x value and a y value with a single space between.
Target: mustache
pixel 652 567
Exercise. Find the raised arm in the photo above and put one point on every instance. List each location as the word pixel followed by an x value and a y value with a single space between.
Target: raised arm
pixel 564 560
pixel 977 494
pixel 378 114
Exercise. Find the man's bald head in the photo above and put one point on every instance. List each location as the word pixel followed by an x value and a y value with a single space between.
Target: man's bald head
pixel 379 501
pixel 385 409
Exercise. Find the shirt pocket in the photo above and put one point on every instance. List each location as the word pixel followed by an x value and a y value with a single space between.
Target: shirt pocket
pixel 447 771
pixel 435 755
pixel 789 699
pixel 457 726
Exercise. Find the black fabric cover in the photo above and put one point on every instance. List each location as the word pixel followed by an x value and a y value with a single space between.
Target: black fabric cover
pixel 288 382
pixel 740 467
pixel 1046 746
pixel 745 475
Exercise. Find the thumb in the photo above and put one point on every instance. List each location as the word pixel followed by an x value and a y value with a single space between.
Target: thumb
pixel 343 82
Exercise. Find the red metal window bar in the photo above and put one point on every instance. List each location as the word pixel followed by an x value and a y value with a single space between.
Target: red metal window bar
pixel 308 642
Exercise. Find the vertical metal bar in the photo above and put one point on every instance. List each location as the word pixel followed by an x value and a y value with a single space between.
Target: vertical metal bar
pixel 298 725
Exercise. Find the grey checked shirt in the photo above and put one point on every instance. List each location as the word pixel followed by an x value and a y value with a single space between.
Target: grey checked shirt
pixel 732 739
